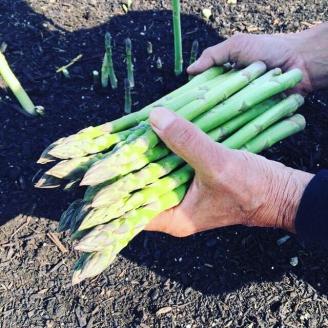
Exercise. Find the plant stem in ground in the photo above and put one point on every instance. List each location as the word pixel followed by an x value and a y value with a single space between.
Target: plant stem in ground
pixel 178 58
pixel 127 97
pixel 14 85
pixel 149 48
pixel 107 69
pixel 193 54
pixel 129 62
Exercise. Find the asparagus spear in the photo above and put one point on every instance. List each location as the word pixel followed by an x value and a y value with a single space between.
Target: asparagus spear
pixel 250 130
pixel 178 58
pixel 110 238
pixel 129 63
pixel 17 89
pixel 127 97
pixel 135 180
pixel 133 219
pixel 79 148
pixel 193 54
pixel 107 69
pixel 275 133
pixel 152 154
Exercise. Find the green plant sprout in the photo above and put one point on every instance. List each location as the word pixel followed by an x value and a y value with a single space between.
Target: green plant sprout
pixel 149 47
pixel 127 96
pixel 178 59
pixel 193 54
pixel 107 69
pixel 129 63
pixel 14 85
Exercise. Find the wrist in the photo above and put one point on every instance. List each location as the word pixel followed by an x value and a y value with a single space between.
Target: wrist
pixel 284 197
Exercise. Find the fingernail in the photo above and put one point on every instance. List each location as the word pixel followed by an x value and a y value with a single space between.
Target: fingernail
pixel 161 118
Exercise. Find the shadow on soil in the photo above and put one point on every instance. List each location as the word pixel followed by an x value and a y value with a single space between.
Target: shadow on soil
pixel 213 262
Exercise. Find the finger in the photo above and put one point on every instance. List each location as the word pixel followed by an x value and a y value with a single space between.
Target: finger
pixel 216 55
pixel 187 141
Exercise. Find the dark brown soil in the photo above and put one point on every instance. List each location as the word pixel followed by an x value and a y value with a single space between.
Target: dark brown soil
pixel 234 277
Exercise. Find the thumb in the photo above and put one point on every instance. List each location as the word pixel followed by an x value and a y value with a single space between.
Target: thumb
pixel 187 141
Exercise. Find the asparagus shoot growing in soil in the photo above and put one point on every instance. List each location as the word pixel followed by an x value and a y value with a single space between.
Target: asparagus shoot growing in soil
pixel 129 62
pixel 66 73
pixel 95 79
pixel 14 85
pixel 193 54
pixel 127 96
pixel 107 69
pixel 159 63
pixel 178 58
pixel 149 48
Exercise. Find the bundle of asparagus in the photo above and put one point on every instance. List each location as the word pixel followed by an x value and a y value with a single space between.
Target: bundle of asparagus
pixel 132 176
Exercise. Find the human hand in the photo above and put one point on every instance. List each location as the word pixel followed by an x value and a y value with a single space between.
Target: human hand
pixel 307 50
pixel 230 186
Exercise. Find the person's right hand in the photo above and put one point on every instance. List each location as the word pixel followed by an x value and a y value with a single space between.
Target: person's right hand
pixel 307 50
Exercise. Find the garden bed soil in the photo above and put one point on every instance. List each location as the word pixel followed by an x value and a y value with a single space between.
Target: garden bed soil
pixel 233 277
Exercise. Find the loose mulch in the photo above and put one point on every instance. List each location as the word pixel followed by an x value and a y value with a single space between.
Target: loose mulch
pixel 232 277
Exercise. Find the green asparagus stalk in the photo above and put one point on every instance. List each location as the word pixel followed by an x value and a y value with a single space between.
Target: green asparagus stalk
pixel 193 54
pixel 145 196
pixel 178 58
pixel 152 154
pixel 149 48
pixel 234 124
pixel 107 69
pixel 14 85
pixel 250 130
pixel 129 63
pixel 75 167
pixel 132 221
pixel 149 139
pixel 127 97
pixel 48 182
pixel 80 148
pixel 275 133
pixel 248 97
pixel 135 181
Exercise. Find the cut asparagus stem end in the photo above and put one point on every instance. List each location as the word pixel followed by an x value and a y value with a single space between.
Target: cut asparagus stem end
pixel 14 85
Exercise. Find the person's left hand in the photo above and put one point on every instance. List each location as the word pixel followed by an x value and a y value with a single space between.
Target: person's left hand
pixel 230 186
